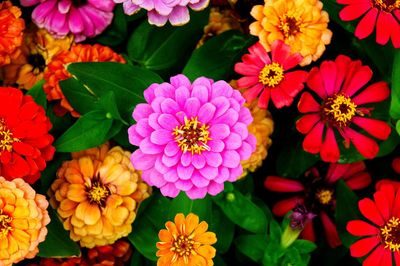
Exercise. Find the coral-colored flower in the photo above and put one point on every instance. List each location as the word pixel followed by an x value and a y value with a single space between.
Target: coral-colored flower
pixel 23 220
pixel 37 50
pixel 382 13
pixel 269 77
pixel 82 18
pixel 301 24
pixel 161 11
pixel 96 194
pixel 191 137
pixel 186 242
pixel 25 142
pixel 317 195
pixel 117 254
pixel 262 128
pixel 11 31
pixel 56 71
pixel 380 241
pixel 338 84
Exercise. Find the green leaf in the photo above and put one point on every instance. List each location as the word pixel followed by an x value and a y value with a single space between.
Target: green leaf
pixel 115 33
pixel 125 81
pixel 57 242
pixel 182 204
pixel 242 211
pixel 60 123
pixel 253 246
pixel 293 255
pixel 346 210
pixel 395 95
pixel 304 246
pixel 223 228
pixel 38 94
pixel 166 50
pixel 80 97
pixel 90 130
pixel 216 58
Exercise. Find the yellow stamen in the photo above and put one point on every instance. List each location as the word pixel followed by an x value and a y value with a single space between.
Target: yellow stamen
pixel 192 136
pixel 98 193
pixel 271 75
pixel 324 196
pixel 386 5
pixel 6 137
pixel 289 25
pixel 5 226
pixel 390 234
pixel 183 247
pixel 339 110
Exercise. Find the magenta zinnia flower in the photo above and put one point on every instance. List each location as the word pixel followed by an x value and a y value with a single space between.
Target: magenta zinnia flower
pixel 315 196
pixel 191 137
pixel 269 77
pixel 82 18
pixel 340 111
pixel 161 11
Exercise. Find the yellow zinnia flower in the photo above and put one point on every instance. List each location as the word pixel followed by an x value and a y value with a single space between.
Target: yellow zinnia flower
pixel 186 242
pixel 301 24
pixel 23 220
pixel 262 128
pixel 96 194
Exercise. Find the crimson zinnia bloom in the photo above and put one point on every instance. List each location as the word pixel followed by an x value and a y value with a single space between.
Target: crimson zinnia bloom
pixel 268 77
pixel 338 84
pixel 381 233
pixel 25 144
pixel 382 13
pixel 317 195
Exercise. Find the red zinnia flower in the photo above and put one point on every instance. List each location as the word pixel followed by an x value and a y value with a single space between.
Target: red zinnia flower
pixel 268 77
pixel 381 233
pixel 337 84
pixel 385 14
pixel 317 194
pixel 25 144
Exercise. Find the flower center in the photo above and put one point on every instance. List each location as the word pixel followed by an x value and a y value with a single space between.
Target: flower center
pixel 192 136
pixel 98 193
pixel 6 137
pixel 37 61
pixel 386 5
pixel 5 226
pixel 324 196
pixel 183 246
pixel 289 25
pixel 271 75
pixel 338 110
pixel 390 234
pixel 78 3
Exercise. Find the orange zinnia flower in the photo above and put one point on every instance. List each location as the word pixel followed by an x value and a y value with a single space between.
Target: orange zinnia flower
pixel 96 194
pixel 186 242
pixel 301 24
pixel 11 30
pixel 56 71
pixel 37 50
pixel 23 220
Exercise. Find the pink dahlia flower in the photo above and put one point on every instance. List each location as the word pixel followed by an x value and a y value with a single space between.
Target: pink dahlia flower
pixel 191 137
pixel 161 11
pixel 82 18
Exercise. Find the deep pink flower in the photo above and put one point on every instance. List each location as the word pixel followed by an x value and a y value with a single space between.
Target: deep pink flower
pixel 317 195
pixel 82 18
pixel 191 137
pixel 339 84
pixel 268 77
pixel 161 11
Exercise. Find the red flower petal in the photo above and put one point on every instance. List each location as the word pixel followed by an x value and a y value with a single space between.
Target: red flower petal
pixel 330 149
pixel 354 11
pixel 389 191
pixel 374 93
pixel 396 34
pixel 307 103
pixel 308 232
pixel 365 146
pixel 279 51
pixel 292 61
pixel 359 181
pixel 375 258
pixel 328 75
pixel 252 93
pixel 361 228
pixel 315 82
pixel 383 204
pixel 280 98
pixel 280 184
pixel 370 211
pixel 336 171
pixel 379 129
pixel 313 140
pixel 264 99
pixel 307 122
pixel 342 64
pixel 247 81
pixel 260 51
pixel 366 25
pixel 363 246
pixel 384 27
pixel 284 206
pixel 385 183
pixel 396 204
pixel 358 76
pixel 387 257
pixel 247 70
pixel 330 231
pixel 293 82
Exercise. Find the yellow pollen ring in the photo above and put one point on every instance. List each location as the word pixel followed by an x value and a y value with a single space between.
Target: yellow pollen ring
pixel 385 5
pixel 271 75
pixel 339 109
pixel 183 247
pixel 192 136
pixel 289 25
pixel 6 138
pixel 390 234
pixel 98 193
pixel 5 222
pixel 324 196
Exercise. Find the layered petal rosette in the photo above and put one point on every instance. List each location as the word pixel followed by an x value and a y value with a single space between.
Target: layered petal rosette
pixel 23 220
pixel 82 18
pixel 343 109
pixel 191 137
pixel 96 194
